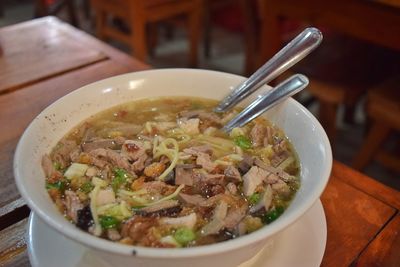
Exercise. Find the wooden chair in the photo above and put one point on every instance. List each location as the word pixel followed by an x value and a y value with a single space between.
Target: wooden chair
pixel 43 8
pixel 139 14
pixel 341 71
pixel 247 23
pixel 383 108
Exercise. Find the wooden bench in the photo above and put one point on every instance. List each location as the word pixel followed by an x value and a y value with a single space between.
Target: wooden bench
pixel 138 14
pixel 383 108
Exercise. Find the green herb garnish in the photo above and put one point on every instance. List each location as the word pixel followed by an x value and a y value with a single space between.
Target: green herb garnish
pixel 86 187
pixel 57 165
pixel 59 185
pixel 108 222
pixel 120 178
pixel 254 198
pixel 272 215
pixel 242 141
pixel 184 235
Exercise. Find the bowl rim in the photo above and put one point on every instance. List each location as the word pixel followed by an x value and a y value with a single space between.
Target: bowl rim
pixel 145 252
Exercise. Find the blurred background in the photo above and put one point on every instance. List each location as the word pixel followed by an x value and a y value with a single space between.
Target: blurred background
pixel 355 73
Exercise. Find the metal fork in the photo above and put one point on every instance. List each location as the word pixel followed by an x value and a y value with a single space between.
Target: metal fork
pixel 292 53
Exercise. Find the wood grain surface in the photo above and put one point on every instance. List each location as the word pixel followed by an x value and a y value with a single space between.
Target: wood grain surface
pixel 362 215
pixel 384 249
pixel 353 219
pixel 26 45
pixel 13 251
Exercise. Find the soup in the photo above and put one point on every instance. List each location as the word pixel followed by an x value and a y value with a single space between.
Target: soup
pixel 160 173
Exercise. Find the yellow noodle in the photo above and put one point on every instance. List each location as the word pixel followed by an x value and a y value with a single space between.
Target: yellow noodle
pixel 171 153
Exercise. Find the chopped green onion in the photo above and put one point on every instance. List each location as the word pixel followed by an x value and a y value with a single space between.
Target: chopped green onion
pixel 184 236
pixel 120 178
pixel 59 185
pixel 57 165
pixel 242 141
pixel 272 215
pixel 254 198
pixel 86 187
pixel 118 211
pixel 108 222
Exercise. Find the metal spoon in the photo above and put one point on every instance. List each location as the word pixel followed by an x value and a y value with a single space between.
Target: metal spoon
pixel 276 95
pixel 292 53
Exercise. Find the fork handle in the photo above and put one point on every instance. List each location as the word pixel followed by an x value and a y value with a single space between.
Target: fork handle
pixel 270 99
pixel 292 53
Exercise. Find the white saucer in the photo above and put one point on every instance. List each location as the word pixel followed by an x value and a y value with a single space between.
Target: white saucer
pixel 302 244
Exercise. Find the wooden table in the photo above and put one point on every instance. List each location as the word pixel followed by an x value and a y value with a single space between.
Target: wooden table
pixel 362 214
pixel 376 21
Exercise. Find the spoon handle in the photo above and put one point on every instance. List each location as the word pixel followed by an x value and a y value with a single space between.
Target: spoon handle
pixel 276 95
pixel 292 53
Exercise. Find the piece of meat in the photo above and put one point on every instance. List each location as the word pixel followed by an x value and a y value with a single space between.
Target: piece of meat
pixel 245 165
pixel 93 159
pixel 74 155
pixel 203 115
pixel 91 171
pixel 212 179
pixel 136 228
pixel 257 134
pixel 272 178
pixel 267 197
pixel 195 200
pixel 278 158
pixel 196 150
pixel 217 221
pixel 274 170
pixel 234 216
pixel 204 160
pixel 190 126
pixel 62 152
pixel 214 200
pixel 231 187
pixel 210 117
pixel 110 156
pixel 281 188
pixel 158 188
pixel 140 163
pixel 232 174
pixel 280 146
pixel 100 143
pixel 168 204
pixel 253 178
pixel 142 231
pixel 268 138
pixel 72 204
pixel 133 149
pixel 50 172
pixel 184 174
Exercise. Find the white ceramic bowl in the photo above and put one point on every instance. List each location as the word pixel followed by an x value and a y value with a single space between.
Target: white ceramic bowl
pixel 304 131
